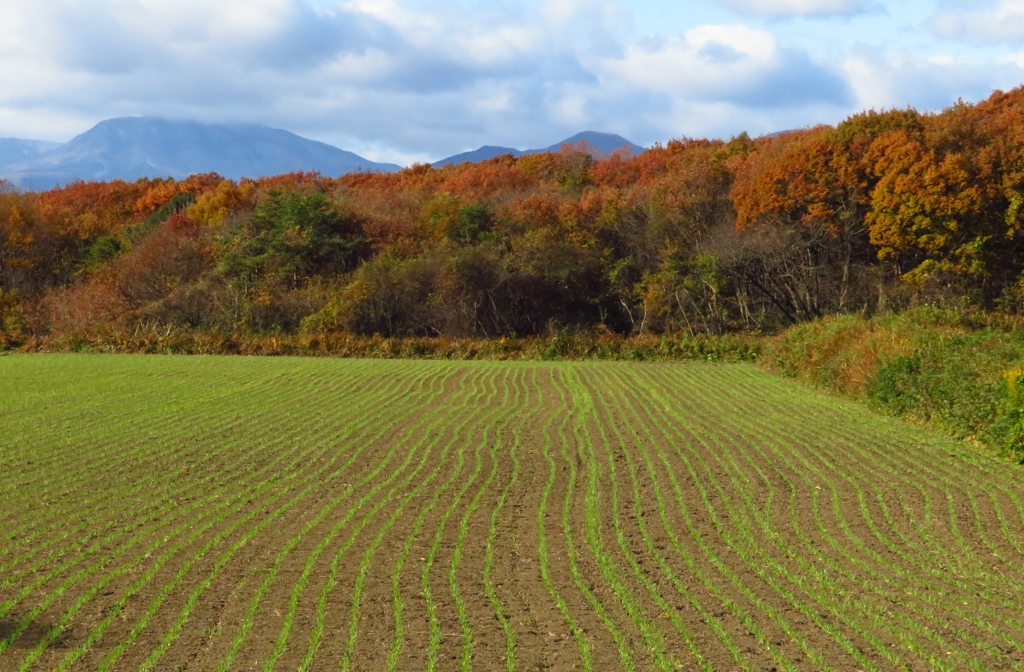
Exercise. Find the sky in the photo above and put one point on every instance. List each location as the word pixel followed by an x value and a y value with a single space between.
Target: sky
pixel 418 80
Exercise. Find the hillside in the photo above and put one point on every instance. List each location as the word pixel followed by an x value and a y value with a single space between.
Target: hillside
pixel 18 150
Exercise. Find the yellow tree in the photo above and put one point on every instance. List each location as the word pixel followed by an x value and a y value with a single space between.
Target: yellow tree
pixel 923 209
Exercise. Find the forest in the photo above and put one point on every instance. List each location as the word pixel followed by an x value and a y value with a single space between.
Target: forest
pixel 885 211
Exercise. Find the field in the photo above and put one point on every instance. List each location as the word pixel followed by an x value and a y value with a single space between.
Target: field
pixel 206 513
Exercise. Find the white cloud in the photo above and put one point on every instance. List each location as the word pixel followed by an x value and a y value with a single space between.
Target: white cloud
pixel 408 79
pixel 702 63
pixel 728 63
pixel 1001 22
pixel 571 108
pixel 885 79
pixel 495 102
pixel 367 73
pixel 788 8
pixel 1012 59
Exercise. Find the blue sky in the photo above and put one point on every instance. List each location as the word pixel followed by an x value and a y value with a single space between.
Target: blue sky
pixel 417 80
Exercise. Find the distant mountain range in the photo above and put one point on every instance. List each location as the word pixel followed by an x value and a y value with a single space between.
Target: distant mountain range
pixel 16 150
pixel 132 147
pixel 601 144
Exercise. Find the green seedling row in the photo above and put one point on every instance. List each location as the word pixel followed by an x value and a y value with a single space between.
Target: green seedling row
pixel 179 513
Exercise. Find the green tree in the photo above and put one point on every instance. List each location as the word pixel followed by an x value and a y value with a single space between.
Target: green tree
pixel 292 237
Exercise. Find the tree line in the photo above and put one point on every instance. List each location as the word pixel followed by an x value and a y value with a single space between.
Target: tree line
pixel 883 211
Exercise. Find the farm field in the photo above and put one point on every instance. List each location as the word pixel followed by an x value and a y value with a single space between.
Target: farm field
pixel 209 513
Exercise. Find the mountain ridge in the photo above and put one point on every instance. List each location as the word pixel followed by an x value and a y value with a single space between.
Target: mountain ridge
pixel 16 150
pixel 132 147
pixel 601 144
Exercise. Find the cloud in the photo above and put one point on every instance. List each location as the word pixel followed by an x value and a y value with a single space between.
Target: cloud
pixel 792 8
pixel 885 79
pixel 412 80
pixel 373 68
pixel 380 74
pixel 1002 22
pixel 729 63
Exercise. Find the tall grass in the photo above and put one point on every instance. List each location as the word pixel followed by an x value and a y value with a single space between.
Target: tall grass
pixel 958 373
pixel 559 346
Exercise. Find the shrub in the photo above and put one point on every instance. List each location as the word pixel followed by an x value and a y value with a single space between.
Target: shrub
pixel 12 319
pixel 937 366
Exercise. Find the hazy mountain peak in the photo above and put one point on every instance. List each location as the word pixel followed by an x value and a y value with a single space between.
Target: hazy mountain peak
pixel 602 144
pixel 132 147
pixel 17 150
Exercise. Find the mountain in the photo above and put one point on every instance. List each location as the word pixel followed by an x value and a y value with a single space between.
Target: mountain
pixel 477 155
pixel 603 144
pixel 132 147
pixel 16 150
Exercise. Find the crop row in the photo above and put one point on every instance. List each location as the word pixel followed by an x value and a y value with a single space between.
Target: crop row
pixel 219 514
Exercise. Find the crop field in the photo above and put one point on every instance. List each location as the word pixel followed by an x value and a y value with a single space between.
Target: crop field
pixel 206 513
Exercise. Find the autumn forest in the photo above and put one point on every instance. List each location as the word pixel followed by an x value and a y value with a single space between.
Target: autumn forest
pixel 885 211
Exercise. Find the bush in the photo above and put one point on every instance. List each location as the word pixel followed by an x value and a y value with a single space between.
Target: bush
pixel 937 366
pixel 1008 428
pixel 12 320
pixel 892 386
pixel 292 237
